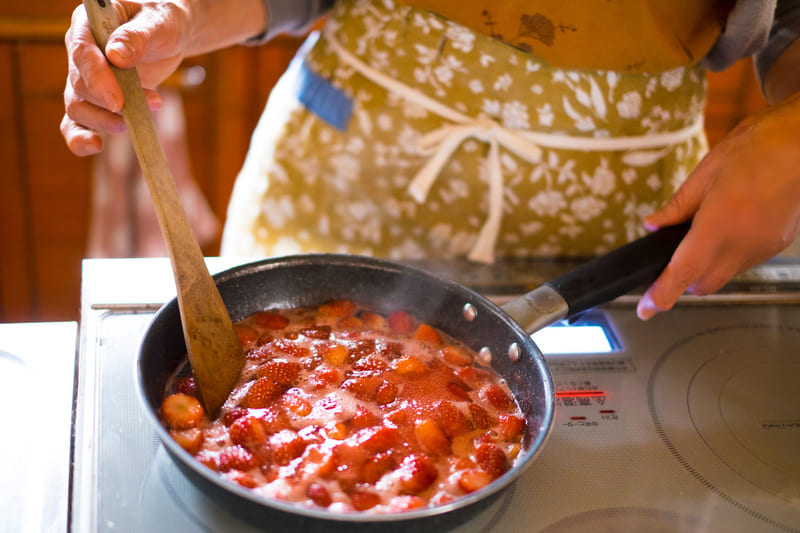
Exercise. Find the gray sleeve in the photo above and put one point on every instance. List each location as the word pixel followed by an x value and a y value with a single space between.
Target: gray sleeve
pixel 747 30
pixel 785 29
pixel 289 16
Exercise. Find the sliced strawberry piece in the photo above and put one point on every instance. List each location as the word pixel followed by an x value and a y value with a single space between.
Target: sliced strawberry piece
pixel 181 411
pixel 416 473
pixel 286 445
pixel 261 393
pixel 428 335
pixel 241 478
pixel 377 466
pixel 363 500
pixel 190 439
pixel 410 366
pixel 235 457
pixel 281 371
pixel 473 479
pixel 378 439
pixel 401 322
pixel 450 418
pixel 386 392
pixel 496 396
pixel 491 459
pixel 247 336
pixel 270 320
pixel 480 416
pixel 510 427
pixel 431 437
pixel 456 355
pixel 338 308
pixel 319 495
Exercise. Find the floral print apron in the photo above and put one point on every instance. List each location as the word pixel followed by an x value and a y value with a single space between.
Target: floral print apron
pixel 401 134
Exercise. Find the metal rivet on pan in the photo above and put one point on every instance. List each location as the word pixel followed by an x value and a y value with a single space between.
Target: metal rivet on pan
pixel 513 352
pixel 485 355
pixel 469 312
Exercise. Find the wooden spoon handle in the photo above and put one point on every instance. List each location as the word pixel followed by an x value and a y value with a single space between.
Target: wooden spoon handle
pixel 213 347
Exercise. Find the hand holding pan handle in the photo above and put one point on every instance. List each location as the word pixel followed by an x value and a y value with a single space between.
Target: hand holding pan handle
pixel 598 281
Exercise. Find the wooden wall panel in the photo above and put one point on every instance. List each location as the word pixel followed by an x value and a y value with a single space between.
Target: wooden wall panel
pixel 18 297
pixel 59 183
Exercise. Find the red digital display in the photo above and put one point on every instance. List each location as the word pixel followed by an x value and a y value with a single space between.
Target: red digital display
pixel 579 393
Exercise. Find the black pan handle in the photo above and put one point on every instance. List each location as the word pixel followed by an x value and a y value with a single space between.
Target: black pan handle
pixel 611 275
pixel 598 281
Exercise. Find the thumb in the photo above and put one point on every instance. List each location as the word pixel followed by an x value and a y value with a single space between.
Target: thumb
pixel 685 202
pixel 126 45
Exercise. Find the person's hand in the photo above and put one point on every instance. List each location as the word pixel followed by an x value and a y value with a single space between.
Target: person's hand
pixel 152 37
pixel 744 199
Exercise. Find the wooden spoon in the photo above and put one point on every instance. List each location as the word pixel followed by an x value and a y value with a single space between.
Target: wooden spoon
pixel 214 350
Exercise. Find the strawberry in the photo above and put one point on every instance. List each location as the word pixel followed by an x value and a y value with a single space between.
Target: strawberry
pixel 371 363
pixel 260 393
pixel 509 427
pixel 410 366
pixel 323 377
pixel 378 439
pixel 338 308
pixel 363 418
pixel 317 332
pixel 295 400
pixel 480 417
pixel 491 459
pixel 231 416
pixel 473 479
pixel 456 355
pixel 286 445
pixel 401 322
pixel 363 500
pixel 247 336
pixel 235 457
pixel 372 320
pixel 416 473
pixel 459 390
pixel 386 392
pixel 496 396
pixel 405 502
pixel 190 439
pixel 349 322
pixel 291 348
pixel 377 466
pixel 450 418
pixel 335 355
pixel 281 371
pixel 249 431
pixel 471 375
pixel 181 411
pixel 241 478
pixel 270 320
pixel 186 385
pixel 431 437
pixel 319 495
pixel 428 335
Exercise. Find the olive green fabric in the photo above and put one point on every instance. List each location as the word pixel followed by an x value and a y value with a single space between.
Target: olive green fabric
pixel 308 187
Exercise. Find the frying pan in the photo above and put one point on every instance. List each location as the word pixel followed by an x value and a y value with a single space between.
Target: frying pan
pixel 384 286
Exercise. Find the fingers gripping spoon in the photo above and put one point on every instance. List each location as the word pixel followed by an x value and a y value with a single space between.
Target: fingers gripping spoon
pixel 214 351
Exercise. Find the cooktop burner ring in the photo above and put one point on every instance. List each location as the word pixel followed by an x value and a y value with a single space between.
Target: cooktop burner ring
pixel 745 370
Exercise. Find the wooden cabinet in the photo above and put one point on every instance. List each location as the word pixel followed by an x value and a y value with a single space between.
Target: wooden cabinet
pixel 46 191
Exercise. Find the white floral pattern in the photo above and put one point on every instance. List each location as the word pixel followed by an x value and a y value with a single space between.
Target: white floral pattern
pixel 337 191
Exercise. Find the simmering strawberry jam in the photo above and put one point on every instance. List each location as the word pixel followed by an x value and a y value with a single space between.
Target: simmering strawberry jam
pixel 346 409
